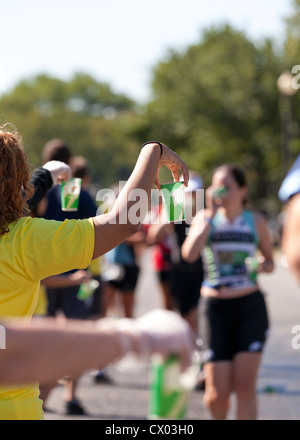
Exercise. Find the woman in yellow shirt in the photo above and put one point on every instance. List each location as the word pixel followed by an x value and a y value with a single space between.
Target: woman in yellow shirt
pixel 33 249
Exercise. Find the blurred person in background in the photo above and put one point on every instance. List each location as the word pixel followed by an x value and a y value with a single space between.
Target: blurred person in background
pixel 159 239
pixel 121 273
pixel 81 168
pixel 184 279
pixel 62 297
pixel 43 178
pixel 121 282
pixel 289 194
pixel 233 320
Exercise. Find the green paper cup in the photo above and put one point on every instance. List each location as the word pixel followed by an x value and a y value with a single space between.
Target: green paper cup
pixel 168 399
pixel 252 267
pixel 219 192
pixel 70 192
pixel 87 289
pixel 174 201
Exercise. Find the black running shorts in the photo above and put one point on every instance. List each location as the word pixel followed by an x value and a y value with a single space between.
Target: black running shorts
pixel 185 290
pixel 231 326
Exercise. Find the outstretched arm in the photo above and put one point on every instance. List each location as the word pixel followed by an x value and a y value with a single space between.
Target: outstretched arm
pixel 200 229
pixel 197 237
pixel 45 350
pixel 119 224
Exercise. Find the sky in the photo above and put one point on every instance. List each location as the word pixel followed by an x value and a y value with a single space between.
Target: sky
pixel 118 41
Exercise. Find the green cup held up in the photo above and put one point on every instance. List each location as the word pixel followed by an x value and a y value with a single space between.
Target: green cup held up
pixel 70 192
pixel 174 201
pixel 252 267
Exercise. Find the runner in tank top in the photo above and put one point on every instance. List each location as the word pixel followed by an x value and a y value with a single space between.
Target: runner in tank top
pixel 233 318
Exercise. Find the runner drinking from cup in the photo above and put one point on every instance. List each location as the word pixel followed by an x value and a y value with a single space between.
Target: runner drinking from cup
pixel 233 317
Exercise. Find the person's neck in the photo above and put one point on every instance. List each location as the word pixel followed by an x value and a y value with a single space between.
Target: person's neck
pixel 232 212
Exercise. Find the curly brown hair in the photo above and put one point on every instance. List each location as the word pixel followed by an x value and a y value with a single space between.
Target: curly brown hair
pixel 15 175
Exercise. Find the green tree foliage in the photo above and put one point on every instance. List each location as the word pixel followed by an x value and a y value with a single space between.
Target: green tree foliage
pixel 292 42
pixel 218 102
pixel 86 114
pixel 291 60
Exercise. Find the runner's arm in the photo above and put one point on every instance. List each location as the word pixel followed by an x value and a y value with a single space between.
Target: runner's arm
pixel 114 227
pixel 197 237
pixel 265 246
pixel 44 350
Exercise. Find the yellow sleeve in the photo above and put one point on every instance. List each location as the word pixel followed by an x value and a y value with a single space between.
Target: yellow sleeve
pixel 95 266
pixel 41 307
pixel 49 247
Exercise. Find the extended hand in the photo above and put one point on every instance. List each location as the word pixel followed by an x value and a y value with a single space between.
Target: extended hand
pixel 160 331
pixel 172 161
pixel 59 171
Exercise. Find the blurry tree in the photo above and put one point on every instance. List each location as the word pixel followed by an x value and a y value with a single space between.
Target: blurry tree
pixel 292 41
pixel 291 62
pixel 218 102
pixel 83 112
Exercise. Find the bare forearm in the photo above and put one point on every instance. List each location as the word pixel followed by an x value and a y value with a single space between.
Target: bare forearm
pixel 120 223
pixel 196 240
pixel 266 265
pixel 142 177
pixel 158 232
pixel 46 351
pixel 56 282
pixel 137 238
pixel 59 282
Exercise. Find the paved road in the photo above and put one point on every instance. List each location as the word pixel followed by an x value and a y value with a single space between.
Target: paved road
pixel 127 397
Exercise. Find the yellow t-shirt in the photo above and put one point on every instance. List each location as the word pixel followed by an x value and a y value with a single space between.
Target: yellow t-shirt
pixel 42 302
pixel 95 267
pixel 32 250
